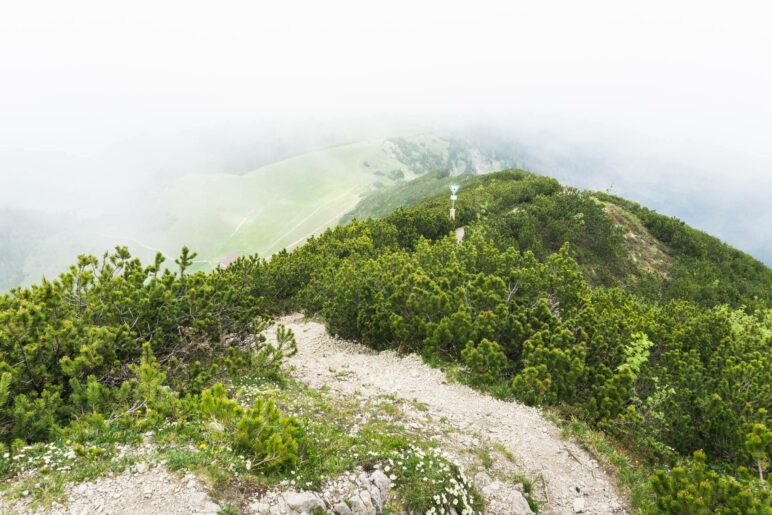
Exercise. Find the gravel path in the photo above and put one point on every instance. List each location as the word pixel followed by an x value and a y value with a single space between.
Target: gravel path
pixel 137 491
pixel 568 479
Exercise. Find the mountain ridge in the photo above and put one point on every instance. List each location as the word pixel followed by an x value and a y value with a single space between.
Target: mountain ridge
pixel 118 364
pixel 664 257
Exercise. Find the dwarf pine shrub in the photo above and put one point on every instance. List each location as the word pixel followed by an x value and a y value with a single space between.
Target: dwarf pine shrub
pixel 262 432
pixel 485 360
pixel 696 489
pixel 114 339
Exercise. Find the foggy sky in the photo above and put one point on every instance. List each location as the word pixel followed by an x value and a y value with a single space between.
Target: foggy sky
pixel 671 100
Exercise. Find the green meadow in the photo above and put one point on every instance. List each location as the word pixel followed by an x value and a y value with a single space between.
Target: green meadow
pixel 277 206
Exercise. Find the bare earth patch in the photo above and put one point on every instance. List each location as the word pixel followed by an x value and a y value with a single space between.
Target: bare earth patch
pixel 648 253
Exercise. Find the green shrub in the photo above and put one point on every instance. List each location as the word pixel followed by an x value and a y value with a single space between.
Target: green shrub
pixel 261 432
pixel 695 489
pixel 485 361
pixel 758 442
pixel 116 338
pixel 555 361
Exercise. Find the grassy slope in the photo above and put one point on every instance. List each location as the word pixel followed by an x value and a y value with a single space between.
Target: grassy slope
pixel 278 205
pixel 263 211
pixel 384 201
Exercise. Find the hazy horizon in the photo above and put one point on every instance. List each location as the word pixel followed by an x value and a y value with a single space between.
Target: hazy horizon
pixel 665 104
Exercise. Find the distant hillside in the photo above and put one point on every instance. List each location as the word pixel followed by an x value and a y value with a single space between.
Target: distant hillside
pixel 21 232
pixel 28 240
pixel 383 201
pixel 225 215
pixel 278 206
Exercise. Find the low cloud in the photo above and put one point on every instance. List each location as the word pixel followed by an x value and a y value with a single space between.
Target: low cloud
pixel 664 103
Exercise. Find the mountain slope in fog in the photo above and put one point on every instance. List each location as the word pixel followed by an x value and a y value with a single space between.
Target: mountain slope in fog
pixel 224 215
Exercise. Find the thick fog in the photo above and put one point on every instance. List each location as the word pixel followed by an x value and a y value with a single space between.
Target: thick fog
pixel 667 103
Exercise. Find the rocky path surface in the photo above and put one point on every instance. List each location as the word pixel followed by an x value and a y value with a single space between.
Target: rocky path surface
pixel 516 439
pixel 567 478
pixel 142 489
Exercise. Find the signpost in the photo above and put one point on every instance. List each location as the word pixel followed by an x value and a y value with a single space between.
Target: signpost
pixel 453 191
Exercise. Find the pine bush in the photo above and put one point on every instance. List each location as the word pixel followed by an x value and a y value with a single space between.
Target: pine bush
pixel 269 438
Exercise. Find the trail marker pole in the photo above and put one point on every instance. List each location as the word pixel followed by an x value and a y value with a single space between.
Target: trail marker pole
pixel 453 191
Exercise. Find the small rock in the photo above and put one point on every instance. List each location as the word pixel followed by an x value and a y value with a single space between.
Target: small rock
pixel 303 501
pixel 259 508
pixel 209 508
pixel 341 509
pixel 383 483
pixel 579 505
pixel 141 468
pixel 367 501
pixel 357 506
pixel 375 496
pixel 518 504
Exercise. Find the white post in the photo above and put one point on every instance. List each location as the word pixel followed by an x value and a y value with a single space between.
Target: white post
pixel 453 197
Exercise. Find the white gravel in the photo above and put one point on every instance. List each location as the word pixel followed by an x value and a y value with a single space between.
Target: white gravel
pixel 139 490
pixel 565 475
pixel 567 478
